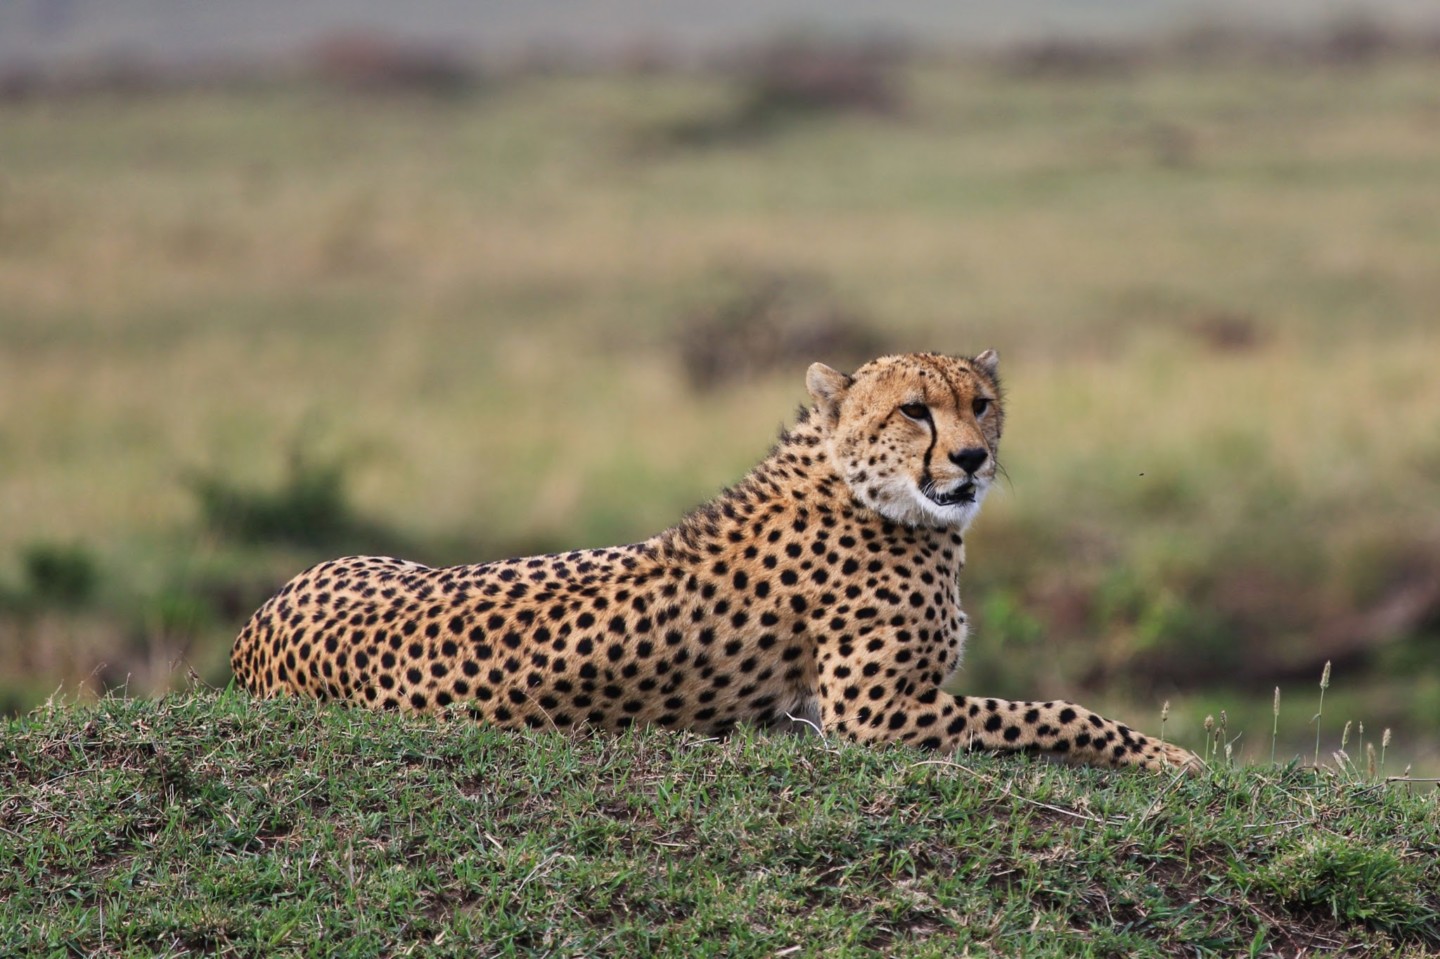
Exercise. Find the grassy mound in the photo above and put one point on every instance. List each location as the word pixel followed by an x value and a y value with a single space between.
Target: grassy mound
pixel 213 824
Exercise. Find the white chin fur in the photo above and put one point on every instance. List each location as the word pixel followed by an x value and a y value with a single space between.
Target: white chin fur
pixel 910 507
pixel 959 515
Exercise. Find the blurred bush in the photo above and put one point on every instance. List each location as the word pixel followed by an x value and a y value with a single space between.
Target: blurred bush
pixel 369 62
pixel 309 507
pixel 769 322
pixel 1071 59
pixel 54 576
pixel 795 81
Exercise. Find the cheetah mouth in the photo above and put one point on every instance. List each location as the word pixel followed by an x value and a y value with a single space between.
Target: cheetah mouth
pixel 964 493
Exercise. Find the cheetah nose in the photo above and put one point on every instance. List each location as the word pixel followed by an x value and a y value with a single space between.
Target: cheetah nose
pixel 970 459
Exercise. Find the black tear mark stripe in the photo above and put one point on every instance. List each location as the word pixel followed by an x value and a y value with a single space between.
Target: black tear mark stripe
pixel 934 432
pixel 934 438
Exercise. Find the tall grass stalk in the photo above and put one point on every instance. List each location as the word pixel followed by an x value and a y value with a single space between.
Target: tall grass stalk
pixel 1222 739
pixel 1324 685
pixel 1275 725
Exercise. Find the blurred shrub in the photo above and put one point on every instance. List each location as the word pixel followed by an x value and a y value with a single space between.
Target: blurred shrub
pixel 798 77
pixel 1227 332
pixel 794 81
pixel 1073 59
pixel 374 63
pixel 54 576
pixel 773 321
pixel 1357 39
pixel 309 508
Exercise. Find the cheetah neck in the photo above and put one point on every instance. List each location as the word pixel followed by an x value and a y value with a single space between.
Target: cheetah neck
pixel 796 487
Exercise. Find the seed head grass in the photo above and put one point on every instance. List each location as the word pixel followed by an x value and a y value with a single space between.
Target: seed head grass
pixel 1320 710
pixel 1274 725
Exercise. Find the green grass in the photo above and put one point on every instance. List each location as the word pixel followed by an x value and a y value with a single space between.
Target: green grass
pixel 213 824
pixel 474 304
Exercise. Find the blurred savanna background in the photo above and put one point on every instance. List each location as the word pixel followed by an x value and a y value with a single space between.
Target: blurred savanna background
pixel 280 282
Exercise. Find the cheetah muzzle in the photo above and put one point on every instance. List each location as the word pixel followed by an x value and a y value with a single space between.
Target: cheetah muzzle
pixel 964 493
pixel 825 585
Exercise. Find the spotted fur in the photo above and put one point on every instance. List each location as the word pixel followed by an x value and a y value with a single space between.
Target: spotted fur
pixel 824 587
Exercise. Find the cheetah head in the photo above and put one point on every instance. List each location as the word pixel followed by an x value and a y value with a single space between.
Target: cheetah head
pixel 915 436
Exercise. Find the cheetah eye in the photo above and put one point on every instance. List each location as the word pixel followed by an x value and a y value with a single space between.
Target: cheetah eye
pixel 916 411
pixel 980 404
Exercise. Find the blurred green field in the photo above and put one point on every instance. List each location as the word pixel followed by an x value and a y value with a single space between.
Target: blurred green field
pixel 1214 287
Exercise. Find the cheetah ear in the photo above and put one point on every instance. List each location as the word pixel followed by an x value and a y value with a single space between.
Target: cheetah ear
pixel 989 361
pixel 827 388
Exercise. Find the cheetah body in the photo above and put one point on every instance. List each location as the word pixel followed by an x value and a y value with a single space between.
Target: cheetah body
pixel 823 587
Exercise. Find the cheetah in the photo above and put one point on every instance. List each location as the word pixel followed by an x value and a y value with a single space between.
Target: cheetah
pixel 823 589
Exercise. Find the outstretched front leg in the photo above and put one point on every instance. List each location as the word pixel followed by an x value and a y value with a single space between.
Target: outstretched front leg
pixel 938 720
